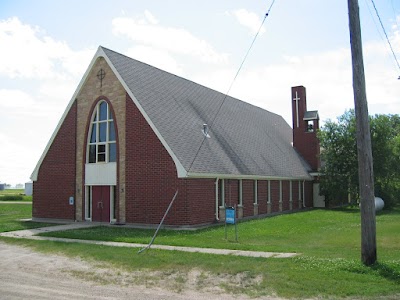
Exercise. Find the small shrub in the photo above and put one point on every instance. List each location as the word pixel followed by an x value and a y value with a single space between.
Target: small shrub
pixel 11 198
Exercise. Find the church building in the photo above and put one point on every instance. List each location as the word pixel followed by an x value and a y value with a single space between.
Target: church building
pixel 133 136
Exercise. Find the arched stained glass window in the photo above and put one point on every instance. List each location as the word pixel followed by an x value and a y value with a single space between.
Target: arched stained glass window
pixel 102 147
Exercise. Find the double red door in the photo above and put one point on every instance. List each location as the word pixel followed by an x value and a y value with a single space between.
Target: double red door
pixel 101 203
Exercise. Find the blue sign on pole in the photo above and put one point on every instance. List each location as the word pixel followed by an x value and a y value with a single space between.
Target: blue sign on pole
pixel 230 216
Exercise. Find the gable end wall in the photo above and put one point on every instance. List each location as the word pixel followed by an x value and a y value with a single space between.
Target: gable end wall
pixel 56 176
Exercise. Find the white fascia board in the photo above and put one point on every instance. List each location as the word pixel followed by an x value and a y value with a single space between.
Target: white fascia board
pixel 180 170
pixel 252 177
pixel 316 174
pixel 71 102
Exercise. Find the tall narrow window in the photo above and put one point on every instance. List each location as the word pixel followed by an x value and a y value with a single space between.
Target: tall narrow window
pixel 102 147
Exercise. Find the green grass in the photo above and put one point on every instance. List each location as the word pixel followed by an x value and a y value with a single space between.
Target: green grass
pixel 14 195
pixel 328 268
pixel 11 215
pixel 12 192
pixel 320 233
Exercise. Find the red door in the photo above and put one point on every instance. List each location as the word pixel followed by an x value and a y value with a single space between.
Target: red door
pixel 101 204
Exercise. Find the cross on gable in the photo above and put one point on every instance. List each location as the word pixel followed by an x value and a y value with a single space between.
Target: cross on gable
pixel 297 108
pixel 100 75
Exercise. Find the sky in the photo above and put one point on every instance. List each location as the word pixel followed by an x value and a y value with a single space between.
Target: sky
pixel 46 47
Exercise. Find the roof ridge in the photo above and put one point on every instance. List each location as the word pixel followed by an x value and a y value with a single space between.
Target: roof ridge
pixel 191 81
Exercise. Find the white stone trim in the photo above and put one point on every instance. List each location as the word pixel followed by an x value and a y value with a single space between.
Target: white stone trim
pixel 112 208
pixel 101 174
pixel 88 199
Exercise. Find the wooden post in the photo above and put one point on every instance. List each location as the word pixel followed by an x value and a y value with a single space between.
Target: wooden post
pixel 364 150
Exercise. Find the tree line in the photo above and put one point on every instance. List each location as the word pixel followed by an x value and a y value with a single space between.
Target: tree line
pixel 339 182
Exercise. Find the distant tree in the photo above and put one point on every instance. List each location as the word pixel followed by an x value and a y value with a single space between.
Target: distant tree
pixel 385 136
pixel 339 158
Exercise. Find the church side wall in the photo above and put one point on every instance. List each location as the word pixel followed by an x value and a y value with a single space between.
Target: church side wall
pixel 201 201
pixel 262 196
pixel 56 178
pixel 231 192
pixel 285 195
pixel 248 198
pixel 274 196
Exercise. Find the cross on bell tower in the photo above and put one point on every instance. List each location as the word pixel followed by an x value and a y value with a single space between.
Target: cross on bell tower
pixel 297 109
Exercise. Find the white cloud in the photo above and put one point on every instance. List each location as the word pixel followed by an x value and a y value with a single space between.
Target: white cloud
pixel 26 53
pixel 327 77
pixel 15 99
pixel 147 32
pixel 12 163
pixel 39 75
pixel 248 19
pixel 150 17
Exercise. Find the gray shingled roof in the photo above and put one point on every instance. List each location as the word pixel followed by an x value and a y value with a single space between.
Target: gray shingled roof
pixel 245 139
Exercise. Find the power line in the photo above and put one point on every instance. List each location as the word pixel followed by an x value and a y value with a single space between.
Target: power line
pixel 373 19
pixel 229 89
pixel 384 31
pixel 251 46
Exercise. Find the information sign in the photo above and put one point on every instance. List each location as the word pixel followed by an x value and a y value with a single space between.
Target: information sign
pixel 230 216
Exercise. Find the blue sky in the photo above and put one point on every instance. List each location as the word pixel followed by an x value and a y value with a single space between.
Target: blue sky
pixel 46 46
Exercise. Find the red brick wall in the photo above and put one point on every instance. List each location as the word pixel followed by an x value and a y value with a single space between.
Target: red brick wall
pixel 231 192
pixel 285 195
pixel 275 195
pixel 248 197
pixel 201 200
pixel 151 180
pixel 56 177
pixel 262 196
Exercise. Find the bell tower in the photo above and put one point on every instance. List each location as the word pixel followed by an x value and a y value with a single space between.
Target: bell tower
pixel 305 127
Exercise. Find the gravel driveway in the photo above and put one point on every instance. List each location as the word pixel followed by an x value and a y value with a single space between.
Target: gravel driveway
pixel 29 275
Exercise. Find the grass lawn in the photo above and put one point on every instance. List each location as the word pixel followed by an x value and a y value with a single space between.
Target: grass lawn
pixel 321 233
pixel 11 215
pixel 328 267
pixel 14 195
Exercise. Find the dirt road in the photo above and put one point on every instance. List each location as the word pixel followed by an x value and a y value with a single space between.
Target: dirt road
pixel 29 275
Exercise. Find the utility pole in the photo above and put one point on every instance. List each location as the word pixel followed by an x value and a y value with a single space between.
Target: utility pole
pixel 364 150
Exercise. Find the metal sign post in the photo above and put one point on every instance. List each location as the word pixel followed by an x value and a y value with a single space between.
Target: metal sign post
pixel 230 218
